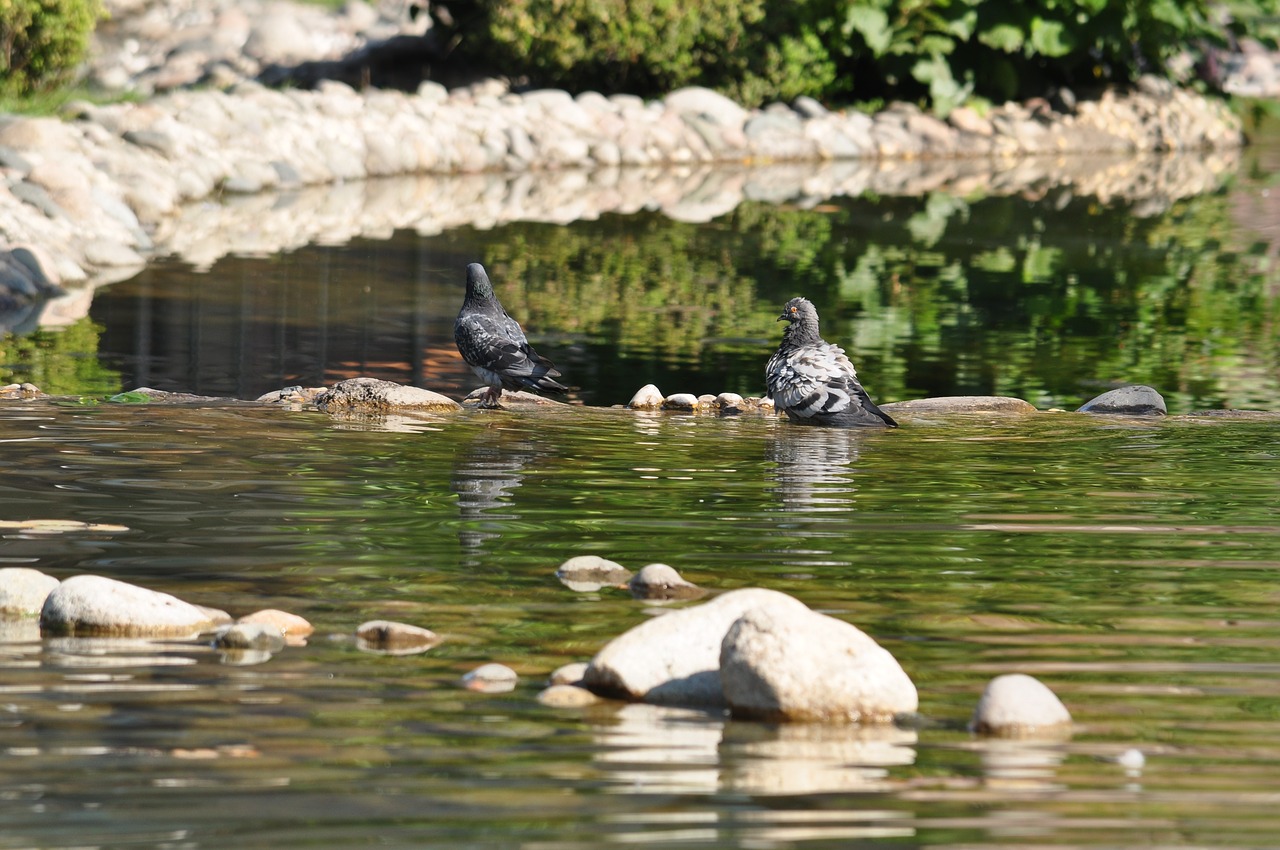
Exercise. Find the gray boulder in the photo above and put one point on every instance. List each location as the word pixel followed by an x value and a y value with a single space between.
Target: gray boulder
pixel 674 659
pixel 371 395
pixel 1016 705
pixel 797 664
pixel 98 606
pixel 959 404
pixel 1137 400
pixel 23 591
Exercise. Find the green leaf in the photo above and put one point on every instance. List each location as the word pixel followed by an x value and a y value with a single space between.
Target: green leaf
pixel 872 24
pixel 1051 38
pixel 1004 37
pixel 130 397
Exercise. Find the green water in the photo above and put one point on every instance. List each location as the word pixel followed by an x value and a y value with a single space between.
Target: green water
pixel 1129 564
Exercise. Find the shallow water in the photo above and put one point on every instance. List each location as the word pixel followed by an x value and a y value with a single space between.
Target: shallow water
pixel 1128 564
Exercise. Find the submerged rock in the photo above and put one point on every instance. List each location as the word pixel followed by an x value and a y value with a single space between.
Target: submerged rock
pixel 567 696
pixel 293 628
pixel 588 573
pixel 23 591
pixel 796 664
pixel 1016 705
pixel 568 674
pixel 98 606
pixel 371 395
pixel 1137 400
pixel 491 679
pixel 391 638
pixel 960 404
pixel 674 659
pixel 262 637
pixel 659 581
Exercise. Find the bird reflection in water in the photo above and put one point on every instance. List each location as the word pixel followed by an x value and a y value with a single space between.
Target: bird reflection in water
pixel 815 467
pixel 484 475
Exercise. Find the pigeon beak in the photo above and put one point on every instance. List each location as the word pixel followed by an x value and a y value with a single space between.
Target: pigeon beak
pixel 783 317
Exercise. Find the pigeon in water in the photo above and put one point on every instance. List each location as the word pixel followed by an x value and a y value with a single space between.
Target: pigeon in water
pixel 495 347
pixel 813 381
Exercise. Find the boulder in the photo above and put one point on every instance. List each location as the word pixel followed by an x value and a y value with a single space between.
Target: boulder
pixel 647 397
pixel 797 664
pixel 391 638
pixel 587 573
pixel 262 637
pixel 568 674
pixel 674 659
pixel 23 591
pixel 959 404
pixel 1016 705
pixel 659 581
pixel 292 628
pixel 680 401
pixel 97 606
pixel 371 395
pixel 567 696
pixel 1136 400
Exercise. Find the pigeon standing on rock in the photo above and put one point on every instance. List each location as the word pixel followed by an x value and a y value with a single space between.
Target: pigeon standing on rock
pixel 813 381
pixel 494 346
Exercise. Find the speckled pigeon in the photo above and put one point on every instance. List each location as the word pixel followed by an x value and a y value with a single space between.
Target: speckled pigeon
pixel 495 347
pixel 813 381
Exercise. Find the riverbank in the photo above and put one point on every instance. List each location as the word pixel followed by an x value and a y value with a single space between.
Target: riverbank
pixel 98 191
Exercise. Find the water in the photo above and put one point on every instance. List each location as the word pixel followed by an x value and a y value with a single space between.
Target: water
pixel 1129 564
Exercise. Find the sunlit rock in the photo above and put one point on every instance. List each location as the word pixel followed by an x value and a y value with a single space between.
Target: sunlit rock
pixel 588 573
pixel 23 390
pixel 1016 705
pixel 680 401
pixel 567 696
pixel 959 404
pixel 568 674
pixel 730 403
pixel 392 638
pixel 263 637
pixel 293 628
pixel 295 395
pixel 513 399
pixel 371 395
pixel 491 679
pixel 98 606
pixel 707 103
pixel 1136 400
pixel 797 664
pixel 23 591
pixel 647 397
pixel 674 659
pixel 659 581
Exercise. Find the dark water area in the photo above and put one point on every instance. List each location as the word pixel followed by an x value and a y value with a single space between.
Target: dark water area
pixel 1130 564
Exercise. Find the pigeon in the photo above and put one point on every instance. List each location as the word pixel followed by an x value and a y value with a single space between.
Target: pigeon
pixel 813 381
pixel 494 346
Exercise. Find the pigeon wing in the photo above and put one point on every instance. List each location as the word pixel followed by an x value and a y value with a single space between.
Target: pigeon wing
pixel 817 382
pixel 497 344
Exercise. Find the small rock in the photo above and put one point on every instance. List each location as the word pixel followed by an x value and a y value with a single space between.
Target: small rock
pixel 370 395
pixel 391 638
pixel 675 659
pixel 23 390
pixel 97 606
pixel 1132 759
pixel 647 397
pixel 263 637
pixel 1016 705
pixel 291 395
pixel 567 696
pixel 797 664
pixel 1136 400
pixel 659 581
pixel 568 674
pixel 514 398
pixel 23 591
pixel 959 404
pixel 730 404
pixel 589 573
pixel 491 679
pixel 293 628
pixel 680 401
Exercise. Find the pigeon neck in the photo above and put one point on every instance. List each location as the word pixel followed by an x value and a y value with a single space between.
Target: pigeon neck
pixel 803 332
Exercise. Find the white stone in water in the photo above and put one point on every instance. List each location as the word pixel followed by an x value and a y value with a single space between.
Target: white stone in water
pixel 647 397
pixel 258 636
pixel 797 664
pixel 491 679
pixel 1016 705
pixel 660 581
pixel 674 659
pixel 586 573
pixel 374 395
pixel 729 400
pixel 1133 401
pixel 392 638
pixel 680 401
pixel 568 674
pixel 293 628
pixel 94 605
pixel 23 591
pixel 567 696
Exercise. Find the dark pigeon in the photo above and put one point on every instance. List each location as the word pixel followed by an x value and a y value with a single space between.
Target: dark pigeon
pixel 813 381
pixel 495 347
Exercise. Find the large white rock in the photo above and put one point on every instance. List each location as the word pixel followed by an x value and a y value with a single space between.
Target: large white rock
pixel 674 659
pixel 788 664
pixel 372 395
pixel 1016 705
pixel 23 591
pixel 94 605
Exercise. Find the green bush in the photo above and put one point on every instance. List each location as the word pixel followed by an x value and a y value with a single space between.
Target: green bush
pixel 938 51
pixel 42 41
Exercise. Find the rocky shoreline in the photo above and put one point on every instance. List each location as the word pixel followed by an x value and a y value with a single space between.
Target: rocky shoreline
pixel 97 192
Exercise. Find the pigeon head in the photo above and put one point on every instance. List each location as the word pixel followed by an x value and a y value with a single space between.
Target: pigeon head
pixel 799 310
pixel 478 285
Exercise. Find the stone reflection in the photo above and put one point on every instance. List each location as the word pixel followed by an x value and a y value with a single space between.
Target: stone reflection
pixel 815 467
pixel 485 473
pixel 1021 764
